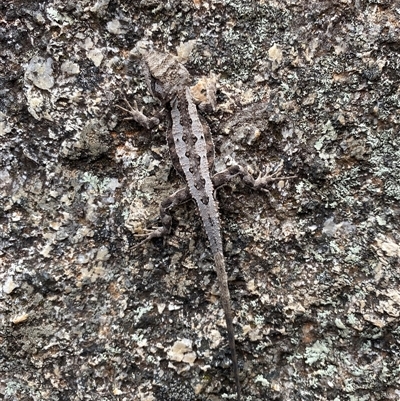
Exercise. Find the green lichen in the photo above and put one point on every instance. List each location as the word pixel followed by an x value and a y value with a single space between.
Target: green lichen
pixel 318 352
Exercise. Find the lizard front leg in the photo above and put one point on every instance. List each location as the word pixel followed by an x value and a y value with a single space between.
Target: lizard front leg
pixel 222 178
pixel 176 199
pixel 138 116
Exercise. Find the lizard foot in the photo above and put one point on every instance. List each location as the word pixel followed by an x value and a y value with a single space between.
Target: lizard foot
pixel 138 116
pixel 263 179
pixel 158 233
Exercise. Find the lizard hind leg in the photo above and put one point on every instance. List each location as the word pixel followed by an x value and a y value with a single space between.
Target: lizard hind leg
pixel 180 196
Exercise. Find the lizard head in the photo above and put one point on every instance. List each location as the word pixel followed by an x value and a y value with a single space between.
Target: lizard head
pixel 167 75
pixel 164 74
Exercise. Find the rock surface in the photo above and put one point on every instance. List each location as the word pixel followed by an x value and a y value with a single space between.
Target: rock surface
pixel 314 262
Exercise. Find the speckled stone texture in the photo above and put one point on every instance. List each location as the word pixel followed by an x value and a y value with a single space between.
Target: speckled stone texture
pixel 313 262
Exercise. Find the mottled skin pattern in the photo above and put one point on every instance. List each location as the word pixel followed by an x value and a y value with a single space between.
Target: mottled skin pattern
pixel 192 154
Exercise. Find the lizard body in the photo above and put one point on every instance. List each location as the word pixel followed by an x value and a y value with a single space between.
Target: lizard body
pixel 192 154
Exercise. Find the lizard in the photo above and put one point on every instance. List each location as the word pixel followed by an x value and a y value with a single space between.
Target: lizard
pixel 192 154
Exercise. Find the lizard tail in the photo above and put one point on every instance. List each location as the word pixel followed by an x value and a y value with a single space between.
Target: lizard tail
pixel 226 304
